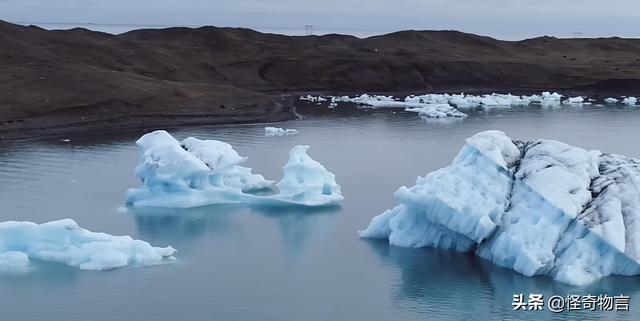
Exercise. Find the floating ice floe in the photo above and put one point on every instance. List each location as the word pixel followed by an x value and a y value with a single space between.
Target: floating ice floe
pixel 65 242
pixel 204 172
pixel 573 100
pixel 274 131
pixel 437 111
pixel 630 101
pixel 313 99
pixel 539 207
pixel 610 100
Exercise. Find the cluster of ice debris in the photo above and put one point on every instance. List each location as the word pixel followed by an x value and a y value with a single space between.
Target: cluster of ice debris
pixel 444 105
pixel 203 172
pixel 539 207
pixel 65 242
pixel 275 131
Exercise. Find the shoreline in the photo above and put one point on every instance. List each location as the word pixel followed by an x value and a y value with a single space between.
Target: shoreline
pixel 61 125
pixel 161 122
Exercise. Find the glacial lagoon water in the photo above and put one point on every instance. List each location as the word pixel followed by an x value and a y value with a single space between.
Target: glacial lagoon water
pixel 243 263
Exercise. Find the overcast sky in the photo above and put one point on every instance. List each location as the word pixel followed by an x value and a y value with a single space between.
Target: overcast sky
pixel 504 19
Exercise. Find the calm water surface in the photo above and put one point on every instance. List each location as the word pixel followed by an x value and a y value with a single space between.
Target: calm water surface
pixel 242 263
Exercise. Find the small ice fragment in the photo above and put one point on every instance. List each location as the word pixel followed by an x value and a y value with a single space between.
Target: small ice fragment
pixel 630 101
pixel 574 100
pixel 274 131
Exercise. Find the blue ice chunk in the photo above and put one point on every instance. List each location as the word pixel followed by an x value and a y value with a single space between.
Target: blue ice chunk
pixel 549 209
pixel 204 172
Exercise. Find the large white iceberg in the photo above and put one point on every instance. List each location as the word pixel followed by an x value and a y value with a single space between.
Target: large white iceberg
pixel 65 242
pixel 540 208
pixel 204 172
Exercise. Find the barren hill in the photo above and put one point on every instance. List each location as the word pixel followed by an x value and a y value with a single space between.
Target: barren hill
pixel 57 79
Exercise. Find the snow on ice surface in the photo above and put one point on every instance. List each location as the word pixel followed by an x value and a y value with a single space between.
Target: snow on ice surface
pixel 274 131
pixel 65 242
pixel 204 172
pixel 540 208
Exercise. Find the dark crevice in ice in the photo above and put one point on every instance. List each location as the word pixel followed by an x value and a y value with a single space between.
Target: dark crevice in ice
pixel 513 168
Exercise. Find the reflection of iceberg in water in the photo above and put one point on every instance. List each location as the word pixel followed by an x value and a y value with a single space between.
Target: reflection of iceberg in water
pixel 47 274
pixel 298 224
pixel 435 282
pixel 183 225
pixel 449 285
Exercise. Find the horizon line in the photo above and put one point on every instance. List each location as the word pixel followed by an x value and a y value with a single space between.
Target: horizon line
pixel 378 32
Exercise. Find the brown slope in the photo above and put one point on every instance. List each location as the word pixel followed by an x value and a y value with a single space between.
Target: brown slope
pixel 144 74
pixel 64 80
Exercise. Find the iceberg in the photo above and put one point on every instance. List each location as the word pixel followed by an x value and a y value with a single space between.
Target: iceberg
pixel 538 207
pixel 65 242
pixel 197 172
